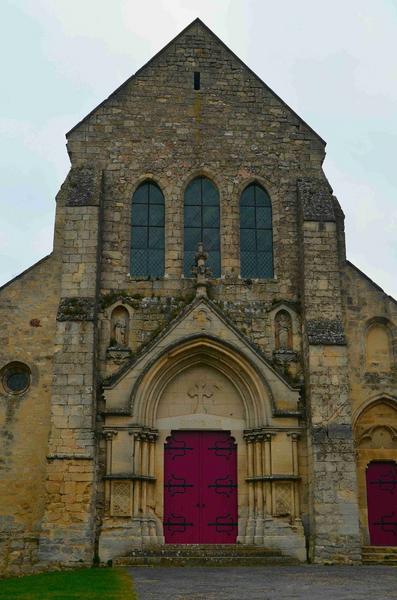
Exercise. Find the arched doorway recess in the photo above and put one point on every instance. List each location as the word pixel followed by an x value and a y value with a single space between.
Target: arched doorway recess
pixel 205 385
pixel 376 441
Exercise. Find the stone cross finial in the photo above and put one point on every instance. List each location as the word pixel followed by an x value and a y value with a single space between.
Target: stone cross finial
pixel 201 271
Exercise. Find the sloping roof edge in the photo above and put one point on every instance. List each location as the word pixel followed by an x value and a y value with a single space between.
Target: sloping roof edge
pixel 371 281
pixel 197 20
pixel 24 272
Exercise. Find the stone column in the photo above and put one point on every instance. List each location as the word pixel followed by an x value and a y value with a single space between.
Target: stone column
pixel 334 527
pixel 267 451
pixel 68 534
pixel 259 516
pixel 250 528
pixel 295 472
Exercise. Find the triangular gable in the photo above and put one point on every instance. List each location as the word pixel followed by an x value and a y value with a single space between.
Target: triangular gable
pixel 207 30
pixel 201 318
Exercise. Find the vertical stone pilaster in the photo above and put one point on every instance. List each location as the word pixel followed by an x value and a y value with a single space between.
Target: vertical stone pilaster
pixel 334 527
pixel 68 534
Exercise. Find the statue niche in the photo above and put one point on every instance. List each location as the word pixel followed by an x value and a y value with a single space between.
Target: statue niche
pixel 283 330
pixel 119 327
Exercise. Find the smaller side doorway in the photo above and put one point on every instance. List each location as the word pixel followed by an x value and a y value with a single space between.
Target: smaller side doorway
pixel 381 479
pixel 200 488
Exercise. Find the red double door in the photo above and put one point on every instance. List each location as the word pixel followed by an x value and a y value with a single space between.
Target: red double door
pixel 200 488
pixel 382 503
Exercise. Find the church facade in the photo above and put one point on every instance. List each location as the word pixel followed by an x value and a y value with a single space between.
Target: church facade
pixel 196 362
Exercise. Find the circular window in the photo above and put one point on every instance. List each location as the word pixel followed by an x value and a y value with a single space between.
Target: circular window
pixel 16 378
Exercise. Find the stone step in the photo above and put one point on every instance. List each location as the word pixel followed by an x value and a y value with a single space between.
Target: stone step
pixel 204 554
pixel 378 555
pixel 203 561
pixel 380 549
pixel 204 550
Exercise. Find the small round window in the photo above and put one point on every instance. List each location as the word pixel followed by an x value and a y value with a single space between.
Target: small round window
pixel 16 378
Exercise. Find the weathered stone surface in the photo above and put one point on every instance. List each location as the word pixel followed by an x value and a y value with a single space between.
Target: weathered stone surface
pixel 76 309
pixel 325 331
pixel 81 187
pixel 316 199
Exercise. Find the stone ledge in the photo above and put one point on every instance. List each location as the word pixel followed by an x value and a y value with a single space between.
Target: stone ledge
pixel 69 457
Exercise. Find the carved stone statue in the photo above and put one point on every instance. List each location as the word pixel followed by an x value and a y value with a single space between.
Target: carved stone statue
pixel 120 330
pixel 120 319
pixel 201 271
pixel 283 331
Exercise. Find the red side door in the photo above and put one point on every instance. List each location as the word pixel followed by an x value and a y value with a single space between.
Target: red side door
pixel 200 488
pixel 381 480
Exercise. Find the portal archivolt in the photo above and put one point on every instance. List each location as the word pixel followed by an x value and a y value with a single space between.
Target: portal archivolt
pixel 222 363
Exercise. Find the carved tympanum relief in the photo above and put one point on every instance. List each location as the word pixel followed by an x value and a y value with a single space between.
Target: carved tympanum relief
pixel 382 436
pixel 200 389
pixel 377 426
pixel 202 392
pixel 377 348
pixel 283 330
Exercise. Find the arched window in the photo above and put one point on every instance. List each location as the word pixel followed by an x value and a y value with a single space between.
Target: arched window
pixel 147 234
pixel 256 235
pixel 202 224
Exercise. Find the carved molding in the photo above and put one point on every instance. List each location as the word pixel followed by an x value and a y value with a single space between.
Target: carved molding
pixel 259 434
pixel 282 499
pixel 285 356
pixel 316 200
pixel 118 354
pixel 144 434
pixel 121 500
pixel 327 332
pixel 76 309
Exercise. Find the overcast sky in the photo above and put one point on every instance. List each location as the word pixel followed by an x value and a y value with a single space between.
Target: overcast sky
pixel 333 62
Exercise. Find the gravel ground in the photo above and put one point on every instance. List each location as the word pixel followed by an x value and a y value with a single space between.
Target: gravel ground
pixel 308 582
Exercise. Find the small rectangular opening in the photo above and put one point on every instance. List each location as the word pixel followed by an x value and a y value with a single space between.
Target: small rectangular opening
pixel 196 80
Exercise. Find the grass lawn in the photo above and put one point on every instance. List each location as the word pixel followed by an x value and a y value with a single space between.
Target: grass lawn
pixel 83 584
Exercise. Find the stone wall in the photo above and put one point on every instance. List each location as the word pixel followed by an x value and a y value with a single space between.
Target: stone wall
pixel 28 306
pixel 334 534
pixel 233 130
pixel 373 382
pixel 68 526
